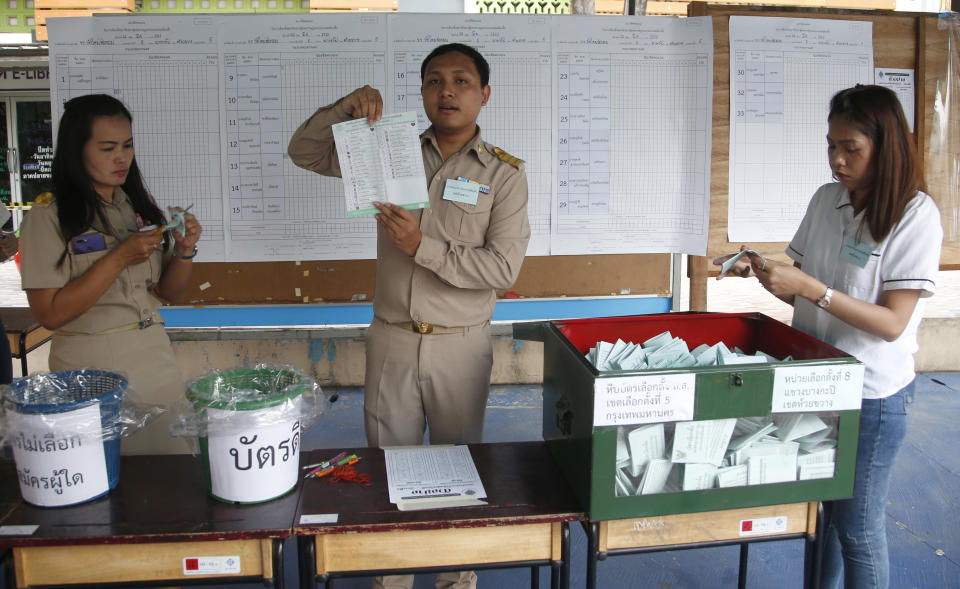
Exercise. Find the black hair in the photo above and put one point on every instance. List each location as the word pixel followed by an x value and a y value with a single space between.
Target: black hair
pixel 483 68
pixel 78 203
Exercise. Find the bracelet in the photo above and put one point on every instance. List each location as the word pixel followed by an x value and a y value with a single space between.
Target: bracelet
pixel 189 256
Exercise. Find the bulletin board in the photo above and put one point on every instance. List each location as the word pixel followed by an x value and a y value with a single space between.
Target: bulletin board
pixel 353 280
pixel 901 40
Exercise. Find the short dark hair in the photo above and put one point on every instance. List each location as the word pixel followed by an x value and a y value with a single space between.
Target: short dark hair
pixel 875 111
pixel 483 68
pixel 78 204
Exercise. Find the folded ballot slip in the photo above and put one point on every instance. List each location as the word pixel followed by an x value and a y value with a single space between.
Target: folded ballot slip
pixel 733 260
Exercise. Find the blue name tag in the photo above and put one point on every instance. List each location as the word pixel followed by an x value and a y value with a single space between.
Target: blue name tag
pixel 84 244
pixel 465 192
pixel 856 253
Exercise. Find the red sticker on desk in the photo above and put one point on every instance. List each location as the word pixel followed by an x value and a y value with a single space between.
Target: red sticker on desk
pixel 763 525
pixel 211 565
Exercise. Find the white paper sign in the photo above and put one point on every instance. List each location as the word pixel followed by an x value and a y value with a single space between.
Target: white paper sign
pixel 655 398
pixel 837 387
pixel 60 459
pixel 260 460
pixel 901 82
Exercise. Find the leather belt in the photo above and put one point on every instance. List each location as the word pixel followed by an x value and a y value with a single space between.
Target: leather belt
pixel 149 322
pixel 427 328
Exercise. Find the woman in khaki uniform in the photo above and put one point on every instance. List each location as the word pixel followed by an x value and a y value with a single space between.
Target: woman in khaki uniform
pixel 94 276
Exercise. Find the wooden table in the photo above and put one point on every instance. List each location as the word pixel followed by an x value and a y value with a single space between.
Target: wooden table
pixel 713 528
pixel 24 333
pixel 145 530
pixel 525 523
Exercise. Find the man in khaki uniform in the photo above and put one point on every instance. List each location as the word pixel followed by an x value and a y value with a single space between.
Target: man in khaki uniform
pixel 429 353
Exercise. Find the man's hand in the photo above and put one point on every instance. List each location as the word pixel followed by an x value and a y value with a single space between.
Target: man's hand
pixel 400 225
pixel 364 102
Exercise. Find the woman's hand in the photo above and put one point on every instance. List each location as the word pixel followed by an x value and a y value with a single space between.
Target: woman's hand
pixel 184 243
pixel 138 247
pixel 786 281
pixel 741 267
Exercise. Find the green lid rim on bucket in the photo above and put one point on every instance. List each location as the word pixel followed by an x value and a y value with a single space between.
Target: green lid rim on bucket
pixel 296 388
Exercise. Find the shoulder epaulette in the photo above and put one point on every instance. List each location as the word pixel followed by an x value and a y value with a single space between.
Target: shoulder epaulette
pixel 506 157
pixel 43 199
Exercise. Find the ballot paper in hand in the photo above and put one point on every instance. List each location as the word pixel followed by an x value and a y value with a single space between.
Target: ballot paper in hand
pixel 429 477
pixel 381 163
pixel 726 266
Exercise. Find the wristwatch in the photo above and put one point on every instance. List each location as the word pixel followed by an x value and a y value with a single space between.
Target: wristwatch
pixel 189 256
pixel 824 301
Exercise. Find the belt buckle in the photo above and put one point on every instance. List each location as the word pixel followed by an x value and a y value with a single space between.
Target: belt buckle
pixel 146 323
pixel 422 328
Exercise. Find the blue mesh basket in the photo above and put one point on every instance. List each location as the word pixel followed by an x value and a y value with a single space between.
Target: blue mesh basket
pixel 60 392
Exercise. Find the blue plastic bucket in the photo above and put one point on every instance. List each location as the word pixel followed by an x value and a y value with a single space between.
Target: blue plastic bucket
pixel 64 428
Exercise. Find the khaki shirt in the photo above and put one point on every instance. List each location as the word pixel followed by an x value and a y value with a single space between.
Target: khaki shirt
pixel 128 300
pixel 466 252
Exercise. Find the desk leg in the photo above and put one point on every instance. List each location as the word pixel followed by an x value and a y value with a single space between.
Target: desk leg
pixel 306 558
pixel 813 553
pixel 535 577
pixel 742 573
pixel 593 548
pixel 23 355
pixel 565 555
pixel 278 563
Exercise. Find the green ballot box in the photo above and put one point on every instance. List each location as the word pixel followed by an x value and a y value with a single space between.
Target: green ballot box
pixel 775 424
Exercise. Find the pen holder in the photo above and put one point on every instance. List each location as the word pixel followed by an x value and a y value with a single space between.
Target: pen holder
pixel 251 446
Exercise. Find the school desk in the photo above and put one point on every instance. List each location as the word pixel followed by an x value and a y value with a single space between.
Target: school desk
pixel 148 530
pixel 24 333
pixel 713 528
pixel 525 522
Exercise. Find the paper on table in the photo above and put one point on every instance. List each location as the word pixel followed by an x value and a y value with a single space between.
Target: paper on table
pixel 423 477
pixel 381 163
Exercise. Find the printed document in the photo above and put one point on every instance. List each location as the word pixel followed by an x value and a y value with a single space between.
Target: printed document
pixel 426 477
pixel 381 163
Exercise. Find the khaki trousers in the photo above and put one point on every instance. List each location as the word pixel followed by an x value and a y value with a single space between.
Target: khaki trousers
pixel 414 381
pixel 145 357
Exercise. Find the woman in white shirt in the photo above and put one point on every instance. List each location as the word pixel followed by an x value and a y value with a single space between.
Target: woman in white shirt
pixel 865 257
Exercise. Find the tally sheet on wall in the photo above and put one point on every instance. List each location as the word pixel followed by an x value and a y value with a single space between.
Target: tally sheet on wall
pixel 611 116
pixel 783 72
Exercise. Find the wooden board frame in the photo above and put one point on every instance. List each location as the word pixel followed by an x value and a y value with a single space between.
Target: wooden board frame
pixel 900 40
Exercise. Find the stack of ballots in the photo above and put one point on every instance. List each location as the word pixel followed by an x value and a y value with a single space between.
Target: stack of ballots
pixel 717 453
pixel 720 453
pixel 665 351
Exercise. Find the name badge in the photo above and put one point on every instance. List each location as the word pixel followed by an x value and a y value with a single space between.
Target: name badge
pixel 856 253
pixel 465 192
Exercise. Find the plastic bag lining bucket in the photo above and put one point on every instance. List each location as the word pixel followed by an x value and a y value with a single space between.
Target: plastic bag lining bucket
pixel 47 394
pixel 223 452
